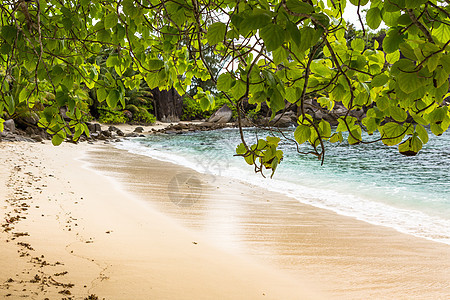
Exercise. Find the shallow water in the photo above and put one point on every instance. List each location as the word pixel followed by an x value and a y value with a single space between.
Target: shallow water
pixel 373 183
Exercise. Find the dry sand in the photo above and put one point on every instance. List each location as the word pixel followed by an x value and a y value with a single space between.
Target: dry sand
pixel 69 232
pixel 120 230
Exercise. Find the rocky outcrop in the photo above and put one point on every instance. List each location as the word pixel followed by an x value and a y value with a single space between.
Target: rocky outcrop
pixel 9 125
pixel 222 115
pixel 181 128
pixel 281 120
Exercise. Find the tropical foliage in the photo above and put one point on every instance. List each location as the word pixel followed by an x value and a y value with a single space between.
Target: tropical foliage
pixel 270 52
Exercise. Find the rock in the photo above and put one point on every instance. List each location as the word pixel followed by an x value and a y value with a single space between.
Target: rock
pixel 279 120
pixel 30 131
pixel 106 133
pixel 94 127
pixel 97 127
pixel 63 113
pixel 120 133
pixel 9 125
pixel 113 129
pixel 222 115
pixel 359 114
pixel 139 130
pixel 29 118
pixel 206 124
pixel 36 138
pixel 131 134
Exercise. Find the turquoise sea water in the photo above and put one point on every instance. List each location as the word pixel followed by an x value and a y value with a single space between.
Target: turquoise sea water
pixel 373 183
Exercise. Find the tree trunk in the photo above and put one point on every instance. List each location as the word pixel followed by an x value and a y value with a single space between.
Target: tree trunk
pixel 168 105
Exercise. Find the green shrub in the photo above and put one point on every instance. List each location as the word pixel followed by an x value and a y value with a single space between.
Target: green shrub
pixel 192 110
pixel 132 108
pixel 143 116
pixel 110 116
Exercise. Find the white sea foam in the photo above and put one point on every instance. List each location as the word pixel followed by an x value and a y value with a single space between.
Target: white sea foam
pixel 413 222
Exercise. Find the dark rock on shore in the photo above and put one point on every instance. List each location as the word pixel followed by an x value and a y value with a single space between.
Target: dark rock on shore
pixel 139 130
pixel 189 127
pixel 222 115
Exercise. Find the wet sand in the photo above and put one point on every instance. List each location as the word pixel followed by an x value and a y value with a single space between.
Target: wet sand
pixel 349 259
pixel 68 232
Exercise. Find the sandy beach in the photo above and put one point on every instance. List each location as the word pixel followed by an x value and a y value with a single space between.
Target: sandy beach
pixel 80 220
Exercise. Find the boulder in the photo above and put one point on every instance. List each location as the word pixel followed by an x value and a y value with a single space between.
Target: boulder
pixel 139 130
pixel 120 133
pixel 222 115
pixel 113 129
pixel 94 127
pixel 131 134
pixel 106 133
pixel 279 120
pixel 9 125
pixel 36 138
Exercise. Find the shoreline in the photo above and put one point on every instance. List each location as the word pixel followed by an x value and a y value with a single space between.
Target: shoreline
pixel 74 233
pixel 342 242
pixel 378 213
pixel 231 242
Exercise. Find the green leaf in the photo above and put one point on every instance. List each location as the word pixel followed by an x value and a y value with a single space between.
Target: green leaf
pixel 155 64
pixel 414 3
pixel 409 82
pixel 422 133
pixel 411 146
pixel 58 138
pixel 302 133
pixel 436 129
pixel 354 136
pixel 392 133
pixel 442 33
pixel 224 82
pixel 101 94
pixel 299 7
pixel 280 55
pixel 5 49
pixel 358 45
pixel 273 36
pixel 113 98
pixel 2 127
pixel 383 103
pixel 253 22
pixel 216 33
pixel 407 51
pixel 9 33
pixel 113 60
pixel 373 18
pixel 152 80
pixel 393 57
pixel 273 140
pixel 238 90
pixel 276 102
pixel 336 137
pixel 10 104
pixel 110 20
pixel 392 41
pixel 293 31
pixel 240 149
pixel 308 38
pixel 23 95
pixel 380 80
pixel 398 114
pixel 324 129
pixel 445 61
